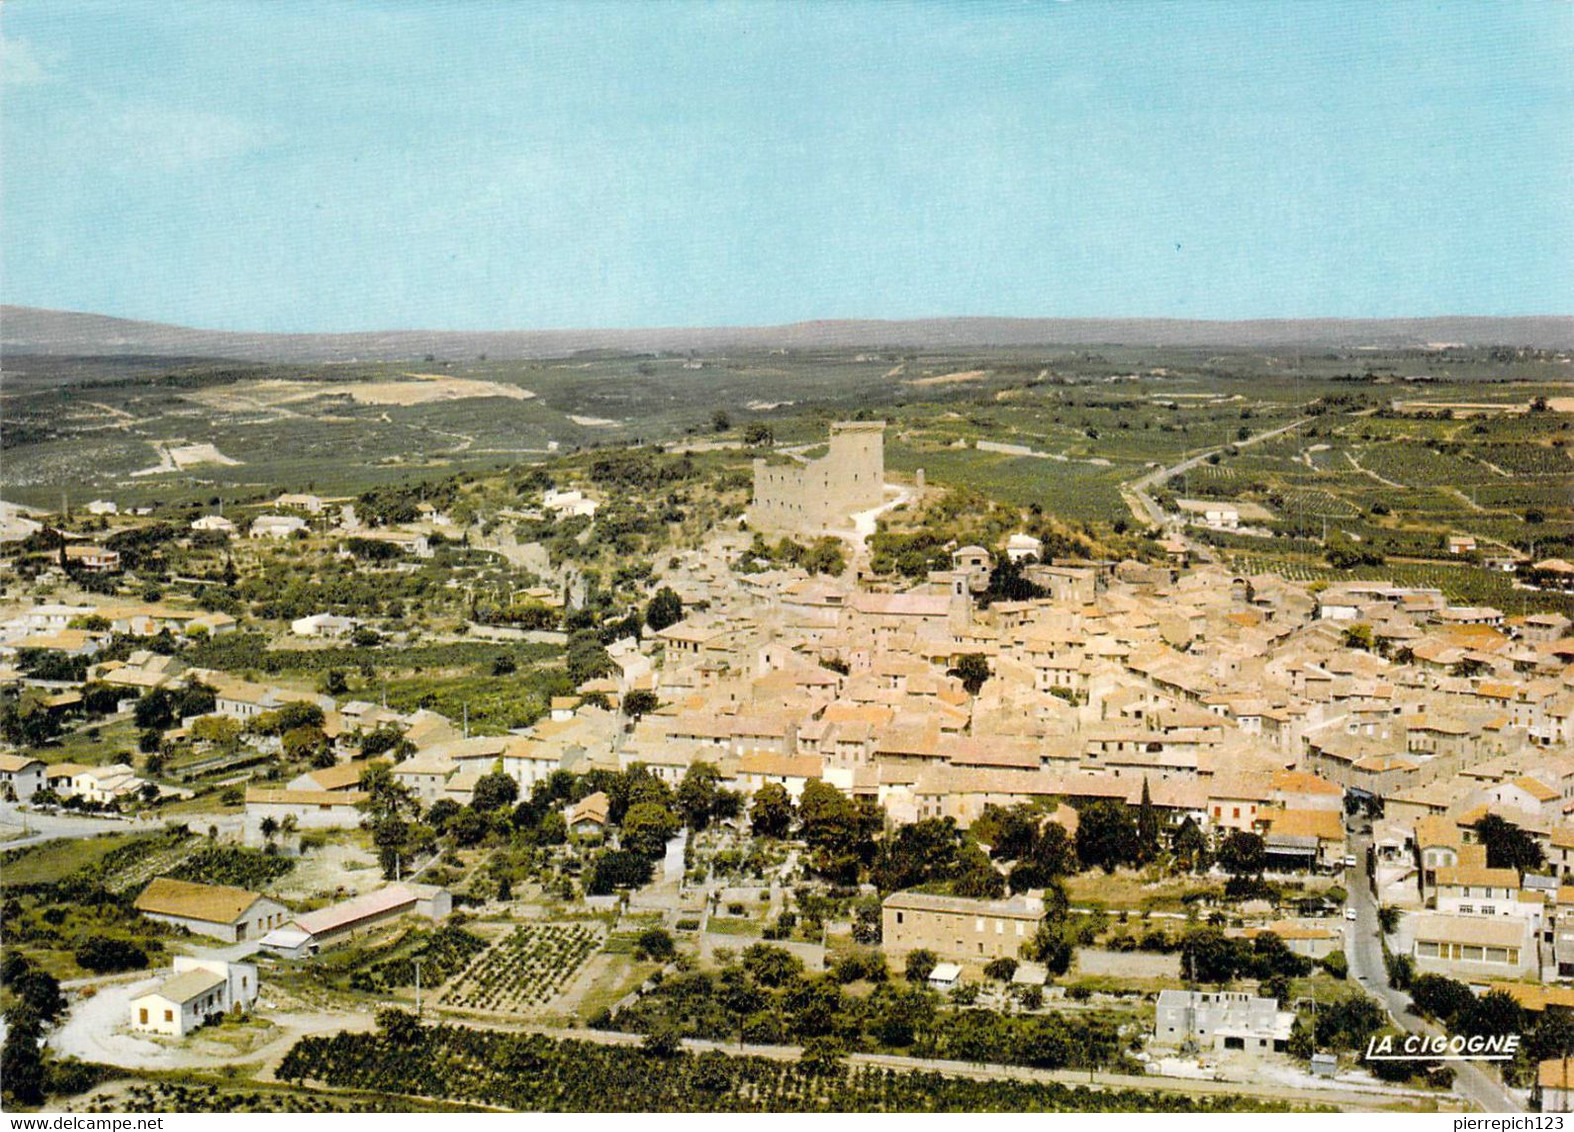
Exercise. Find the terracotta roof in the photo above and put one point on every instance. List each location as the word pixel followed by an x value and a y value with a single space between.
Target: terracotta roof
pixel 1556 1073
pixel 1325 825
pixel 347 913
pixel 593 807
pixel 341 776
pixel 785 766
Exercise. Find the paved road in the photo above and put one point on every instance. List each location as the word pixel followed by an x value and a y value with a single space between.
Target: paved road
pixel 1139 490
pixel 43 827
pixel 1477 1083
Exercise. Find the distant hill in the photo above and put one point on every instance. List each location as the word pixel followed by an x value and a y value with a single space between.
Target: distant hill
pixel 30 330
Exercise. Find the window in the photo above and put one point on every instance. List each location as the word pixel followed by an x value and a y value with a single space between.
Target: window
pixel 978 924
pixel 1427 948
pixel 1488 910
pixel 899 917
pixel 1467 909
pixel 169 1015
pixel 142 1016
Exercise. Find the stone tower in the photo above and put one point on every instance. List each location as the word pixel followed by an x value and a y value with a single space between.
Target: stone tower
pixel 820 495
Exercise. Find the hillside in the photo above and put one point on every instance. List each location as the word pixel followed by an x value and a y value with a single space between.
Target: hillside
pixel 30 330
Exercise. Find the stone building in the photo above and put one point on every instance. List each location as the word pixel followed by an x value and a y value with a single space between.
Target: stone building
pixel 817 495
pixel 1221 1020
pixel 956 927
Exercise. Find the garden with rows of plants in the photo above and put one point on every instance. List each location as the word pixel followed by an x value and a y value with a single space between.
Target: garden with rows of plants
pixel 524 969
pixel 531 1072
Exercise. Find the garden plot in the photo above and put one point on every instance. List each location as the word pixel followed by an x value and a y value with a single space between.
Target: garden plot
pixel 524 970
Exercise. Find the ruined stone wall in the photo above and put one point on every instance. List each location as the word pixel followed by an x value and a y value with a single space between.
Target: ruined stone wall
pixel 809 498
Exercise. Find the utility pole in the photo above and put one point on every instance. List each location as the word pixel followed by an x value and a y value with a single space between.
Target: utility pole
pixel 418 989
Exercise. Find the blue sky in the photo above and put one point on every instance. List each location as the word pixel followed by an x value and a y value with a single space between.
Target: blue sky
pixel 334 166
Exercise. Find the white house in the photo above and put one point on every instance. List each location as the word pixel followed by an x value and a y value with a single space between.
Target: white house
pixel 1024 548
pixel 199 989
pixel 21 776
pixel 213 523
pixel 276 526
pixel 323 625
pixel 569 503
pixel 1221 1020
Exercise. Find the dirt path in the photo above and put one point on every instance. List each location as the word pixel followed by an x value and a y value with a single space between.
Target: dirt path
pixel 97 1029
pixel 1354 463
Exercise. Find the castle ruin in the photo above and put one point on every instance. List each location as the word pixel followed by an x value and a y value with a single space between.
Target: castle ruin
pixel 819 495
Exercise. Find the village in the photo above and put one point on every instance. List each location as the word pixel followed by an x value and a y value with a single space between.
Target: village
pixel 1182 808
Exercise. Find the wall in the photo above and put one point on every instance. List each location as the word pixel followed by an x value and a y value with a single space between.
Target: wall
pixel 821 494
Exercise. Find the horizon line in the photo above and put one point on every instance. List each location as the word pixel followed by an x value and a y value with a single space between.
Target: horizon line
pixel 789 324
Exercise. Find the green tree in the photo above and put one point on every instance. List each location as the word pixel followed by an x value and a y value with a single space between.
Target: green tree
pixel 647 827
pixel 1495 1013
pixel 973 670
pixel 1107 836
pixel 771 966
pixel 654 944
pixel 757 434
pixel 1190 846
pixel 617 868
pixel 1001 970
pixel 1358 637
pixel 665 608
pixel 22 1071
pixel 1209 956
pixel 1243 854
pixel 771 811
pixel 640 702
pixel 494 791
pixel 1147 827
pixel 1050 947
pixel 1349 1022
pixel 301 743
pixel 697 794
pixel 839 831
pixel 920 965
pixel 1508 846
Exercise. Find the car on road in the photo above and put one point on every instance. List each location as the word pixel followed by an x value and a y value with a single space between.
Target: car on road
pixel 1349 913
pixel 1349 862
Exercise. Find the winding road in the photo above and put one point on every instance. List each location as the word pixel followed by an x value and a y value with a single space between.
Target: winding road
pixel 1139 491
pixel 1474 1081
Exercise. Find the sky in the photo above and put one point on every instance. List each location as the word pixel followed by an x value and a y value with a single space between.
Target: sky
pixel 325 166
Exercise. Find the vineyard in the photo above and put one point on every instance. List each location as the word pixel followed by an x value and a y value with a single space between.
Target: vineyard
pixel 230 864
pixel 524 969
pixel 529 1072
pixel 167 1096
pixel 441 953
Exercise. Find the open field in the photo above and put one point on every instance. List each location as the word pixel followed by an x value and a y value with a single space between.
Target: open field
pixel 1391 458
